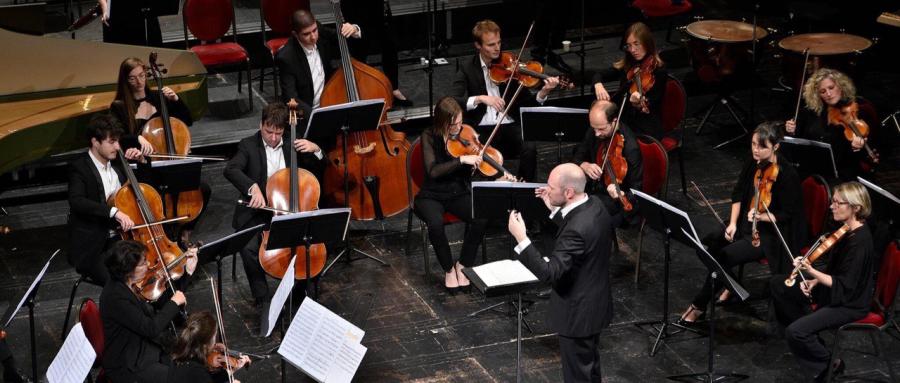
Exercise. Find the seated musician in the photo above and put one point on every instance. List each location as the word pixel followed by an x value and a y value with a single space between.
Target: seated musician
pixel 785 209
pixel 11 373
pixel 258 157
pixel 93 178
pixel 842 293
pixel 309 59
pixel 642 114
pixel 130 324
pixel 603 116
pixel 447 188
pixel 825 93
pixel 484 102
pixel 195 342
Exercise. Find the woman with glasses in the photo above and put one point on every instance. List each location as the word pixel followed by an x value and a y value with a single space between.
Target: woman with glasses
pixel 842 293
pixel 642 112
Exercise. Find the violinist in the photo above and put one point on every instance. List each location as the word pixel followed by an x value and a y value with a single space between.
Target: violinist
pixel 602 117
pixel 842 292
pixel 130 324
pixel 646 87
pixel 484 102
pixel 196 341
pixel 447 189
pixel 93 178
pixel 826 93
pixel 767 193
pixel 258 157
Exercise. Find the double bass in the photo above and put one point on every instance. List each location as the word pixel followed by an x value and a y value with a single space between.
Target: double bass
pixel 372 155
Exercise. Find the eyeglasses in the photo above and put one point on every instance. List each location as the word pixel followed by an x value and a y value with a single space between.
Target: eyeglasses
pixel 839 203
pixel 635 45
pixel 142 76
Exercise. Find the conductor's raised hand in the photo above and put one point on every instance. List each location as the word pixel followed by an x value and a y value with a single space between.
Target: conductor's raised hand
pixel 517 226
pixel 543 193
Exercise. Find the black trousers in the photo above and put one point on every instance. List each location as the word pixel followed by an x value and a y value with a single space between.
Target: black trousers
pixel 509 142
pixel 580 358
pixel 728 255
pixel 94 267
pixel 431 211
pixel 256 276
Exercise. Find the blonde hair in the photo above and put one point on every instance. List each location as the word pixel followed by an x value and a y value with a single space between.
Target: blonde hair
pixel 643 35
pixel 811 89
pixel 857 196
pixel 482 27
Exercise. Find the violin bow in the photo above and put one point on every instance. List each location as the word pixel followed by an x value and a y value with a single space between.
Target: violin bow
pixel 515 66
pixel 781 237
pixel 215 293
pixel 615 130
pixel 802 83
pixel 500 120
pixel 708 205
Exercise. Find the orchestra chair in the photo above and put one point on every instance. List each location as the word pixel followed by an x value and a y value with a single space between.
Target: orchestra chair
pixel 881 315
pixel 655 161
pixel 208 21
pixel 89 316
pixel 415 170
pixel 81 278
pixel 276 15
pixel 663 9
pixel 674 108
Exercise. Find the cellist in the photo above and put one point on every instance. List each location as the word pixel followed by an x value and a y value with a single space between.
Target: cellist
pixel 258 157
pixel 603 118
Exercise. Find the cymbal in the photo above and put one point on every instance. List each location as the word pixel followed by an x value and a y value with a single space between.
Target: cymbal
pixel 725 31
pixel 822 44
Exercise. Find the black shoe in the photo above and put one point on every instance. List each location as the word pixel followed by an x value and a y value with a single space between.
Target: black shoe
pixel 686 323
pixel 731 300
pixel 557 62
pixel 15 376
pixel 838 369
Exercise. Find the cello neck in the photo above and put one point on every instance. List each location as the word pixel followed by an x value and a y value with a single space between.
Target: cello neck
pixel 295 190
pixel 346 64
pixel 163 108
pixel 146 212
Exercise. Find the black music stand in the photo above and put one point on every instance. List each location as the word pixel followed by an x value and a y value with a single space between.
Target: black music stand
pixel 669 221
pixel 228 245
pixel 502 290
pixel 550 123
pixel 28 300
pixel 716 271
pixel 806 156
pixel 326 123
pixel 171 176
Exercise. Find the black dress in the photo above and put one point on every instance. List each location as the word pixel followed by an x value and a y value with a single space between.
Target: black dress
pixel 177 109
pixel 641 123
pixel 127 24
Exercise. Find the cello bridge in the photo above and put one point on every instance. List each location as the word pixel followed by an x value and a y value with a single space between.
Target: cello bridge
pixel 364 149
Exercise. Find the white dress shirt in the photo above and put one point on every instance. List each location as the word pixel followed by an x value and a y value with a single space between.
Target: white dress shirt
pixel 565 210
pixel 317 70
pixel 110 179
pixel 274 158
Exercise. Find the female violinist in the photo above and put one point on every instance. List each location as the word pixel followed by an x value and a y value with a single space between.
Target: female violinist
pixel 603 118
pixel 446 189
pixel 767 190
pixel 831 106
pixel 642 76
pixel 842 293
pixel 195 344
pixel 130 324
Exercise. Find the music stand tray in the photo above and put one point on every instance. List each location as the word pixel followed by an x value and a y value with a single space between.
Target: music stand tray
pixel 806 155
pixel 550 123
pixel 171 176
pixel 231 244
pixel 495 199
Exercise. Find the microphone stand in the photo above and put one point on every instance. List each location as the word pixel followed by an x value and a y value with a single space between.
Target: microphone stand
pixel 752 115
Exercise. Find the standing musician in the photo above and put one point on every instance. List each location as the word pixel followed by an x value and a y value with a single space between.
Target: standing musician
pixel 750 235
pixel 130 22
pixel 93 178
pixel 842 293
pixel 473 88
pixel 130 324
pixel 447 188
pixel 306 62
pixel 578 268
pixel 258 157
pixel 11 373
pixel 826 93
pixel 643 111
pixel 196 341
pixel 596 140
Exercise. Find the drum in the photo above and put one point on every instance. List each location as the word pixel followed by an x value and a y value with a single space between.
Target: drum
pixel 721 48
pixel 839 51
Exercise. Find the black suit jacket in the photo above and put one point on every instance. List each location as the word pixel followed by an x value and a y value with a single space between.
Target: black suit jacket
pixel 294 74
pixel 248 167
pixel 89 220
pixel 469 82
pixel 581 302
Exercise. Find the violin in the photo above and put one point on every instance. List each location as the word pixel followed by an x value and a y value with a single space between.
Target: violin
pixel 822 245
pixel 465 142
pixel 217 359
pixel 642 79
pixel 2 335
pixel 529 73
pixel 765 176
pixel 847 116
pixel 5 229
pixel 220 357
pixel 612 161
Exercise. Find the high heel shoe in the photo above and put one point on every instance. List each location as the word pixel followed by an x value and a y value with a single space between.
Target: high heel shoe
pixel 464 283
pixel 683 320
pixel 450 282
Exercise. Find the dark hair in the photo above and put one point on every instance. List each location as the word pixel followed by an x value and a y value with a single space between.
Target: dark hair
pixel 302 19
pixel 769 131
pixel 444 111
pixel 193 341
pixel 103 126
pixel 124 93
pixel 275 114
pixel 609 108
pixel 123 258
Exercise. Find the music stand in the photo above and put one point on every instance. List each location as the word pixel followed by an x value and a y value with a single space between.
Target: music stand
pixel 550 123
pixel 715 272
pixel 326 123
pixel 28 300
pixel 806 156
pixel 230 244
pixel 171 177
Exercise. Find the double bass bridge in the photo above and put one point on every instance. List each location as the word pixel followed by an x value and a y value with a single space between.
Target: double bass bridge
pixel 364 149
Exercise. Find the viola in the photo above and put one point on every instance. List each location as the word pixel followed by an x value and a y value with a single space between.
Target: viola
pixel 765 176
pixel 465 142
pixel 847 116
pixel 529 73
pixel 2 334
pixel 614 165
pixel 822 245
pixel 216 359
pixel 220 357
pixel 642 79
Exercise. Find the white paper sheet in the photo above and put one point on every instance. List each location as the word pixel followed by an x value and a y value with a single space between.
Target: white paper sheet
pixel 74 360
pixel 281 296
pixel 504 272
pixel 34 283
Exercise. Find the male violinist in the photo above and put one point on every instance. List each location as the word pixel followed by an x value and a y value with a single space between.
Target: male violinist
pixel 484 102
pixel 257 158
pixel 93 178
pixel 603 119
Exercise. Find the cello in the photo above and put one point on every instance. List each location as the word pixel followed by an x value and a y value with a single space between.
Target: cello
pixel 291 190
pixel 372 155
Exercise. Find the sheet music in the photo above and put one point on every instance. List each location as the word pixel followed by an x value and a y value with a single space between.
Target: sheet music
pixel 879 190
pixel 74 360
pixel 31 288
pixel 281 296
pixel 322 344
pixel 668 207
pixel 504 272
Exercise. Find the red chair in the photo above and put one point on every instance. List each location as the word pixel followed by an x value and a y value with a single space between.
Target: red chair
pixel 208 21
pixel 415 171
pixel 276 14
pixel 655 163
pixel 674 108
pixel 881 316
pixel 657 9
pixel 89 316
